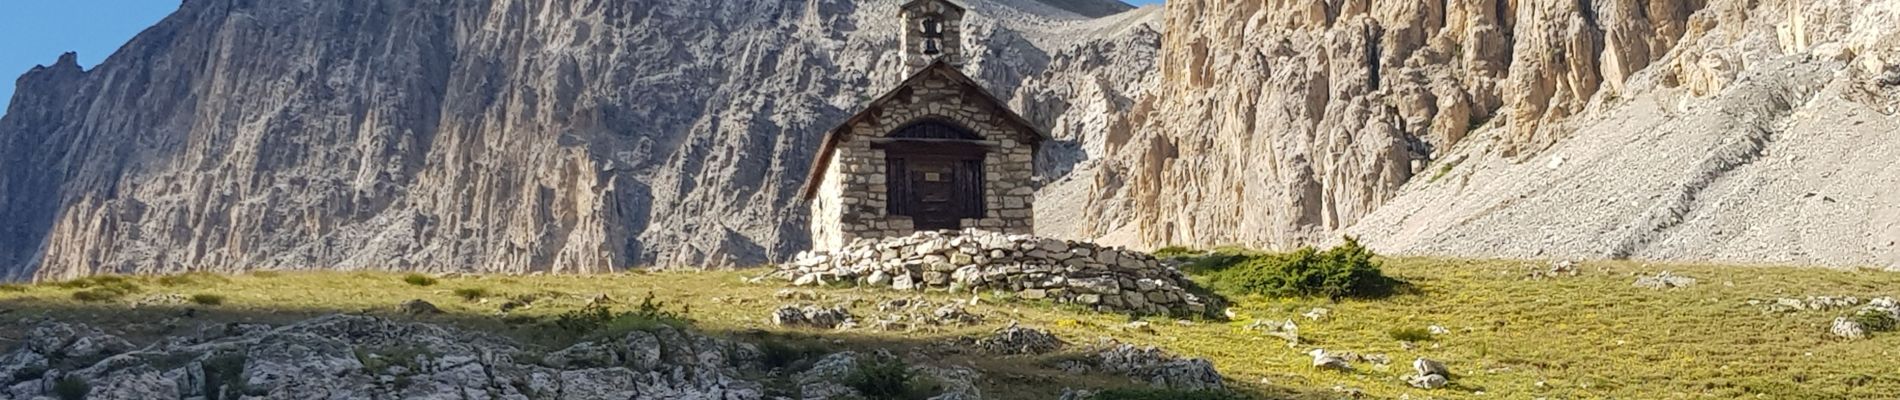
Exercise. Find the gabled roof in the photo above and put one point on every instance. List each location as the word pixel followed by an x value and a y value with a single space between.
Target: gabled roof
pixel 829 143
pixel 914 3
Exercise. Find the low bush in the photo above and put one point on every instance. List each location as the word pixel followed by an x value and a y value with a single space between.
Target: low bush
pixel 418 279
pixel 1164 394
pixel 207 299
pixel 100 288
pixel 887 378
pixel 1340 272
pixel 1409 334
pixel 1876 320
pixel 785 354
pixel 189 278
pixel 471 294
pixel 96 295
pixel 72 388
pixel 12 287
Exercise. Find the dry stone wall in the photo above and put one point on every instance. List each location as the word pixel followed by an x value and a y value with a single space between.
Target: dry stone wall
pixel 1103 278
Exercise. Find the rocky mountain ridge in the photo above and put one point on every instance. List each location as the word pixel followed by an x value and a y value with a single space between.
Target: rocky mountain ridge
pixel 499 136
pixel 579 136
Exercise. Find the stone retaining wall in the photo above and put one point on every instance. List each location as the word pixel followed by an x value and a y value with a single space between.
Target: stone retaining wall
pixel 1104 278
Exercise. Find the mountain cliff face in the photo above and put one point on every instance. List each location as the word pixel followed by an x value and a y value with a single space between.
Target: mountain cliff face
pixel 583 136
pixel 1433 127
pixel 501 136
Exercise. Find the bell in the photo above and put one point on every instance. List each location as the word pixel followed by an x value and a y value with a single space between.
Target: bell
pixel 933 28
pixel 930 47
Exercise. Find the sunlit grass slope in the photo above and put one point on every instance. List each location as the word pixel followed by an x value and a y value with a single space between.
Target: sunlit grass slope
pixel 1593 335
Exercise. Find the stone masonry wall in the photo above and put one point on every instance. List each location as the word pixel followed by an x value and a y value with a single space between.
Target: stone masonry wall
pixel 855 183
pixel 1104 278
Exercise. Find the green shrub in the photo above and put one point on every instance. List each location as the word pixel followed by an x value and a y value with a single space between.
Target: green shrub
pixel 72 388
pixel 601 320
pixel 1410 334
pixel 471 294
pixel 1176 251
pixel 266 274
pixel 1164 394
pixel 1876 321
pixel 98 295
pixel 100 288
pixel 886 378
pixel 418 279
pixel 12 287
pixel 784 354
pixel 1344 271
pixel 207 299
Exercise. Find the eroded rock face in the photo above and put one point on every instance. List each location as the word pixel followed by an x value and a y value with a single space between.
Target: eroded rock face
pixel 1277 123
pixel 1726 147
pixel 497 135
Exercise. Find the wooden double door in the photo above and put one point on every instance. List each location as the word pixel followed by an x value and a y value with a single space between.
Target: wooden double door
pixel 936 191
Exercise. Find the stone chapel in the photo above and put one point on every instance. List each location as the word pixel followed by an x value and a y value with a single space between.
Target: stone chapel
pixel 937 152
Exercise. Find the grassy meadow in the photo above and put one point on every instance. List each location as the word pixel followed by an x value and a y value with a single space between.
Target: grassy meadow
pixel 1509 336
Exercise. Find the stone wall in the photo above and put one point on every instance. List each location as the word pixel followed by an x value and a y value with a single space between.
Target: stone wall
pixel 855 183
pixel 1104 278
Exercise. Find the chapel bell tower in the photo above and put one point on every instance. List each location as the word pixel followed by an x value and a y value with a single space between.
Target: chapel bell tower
pixel 933 30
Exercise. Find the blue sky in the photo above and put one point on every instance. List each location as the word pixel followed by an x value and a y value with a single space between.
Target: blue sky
pixel 36 32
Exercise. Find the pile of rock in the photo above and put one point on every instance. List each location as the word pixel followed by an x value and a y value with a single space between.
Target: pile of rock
pixel 916 313
pixel 1017 340
pixel 811 316
pixel 1105 278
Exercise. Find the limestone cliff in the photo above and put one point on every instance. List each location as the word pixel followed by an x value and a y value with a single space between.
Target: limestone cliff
pixel 492 135
pixel 1278 123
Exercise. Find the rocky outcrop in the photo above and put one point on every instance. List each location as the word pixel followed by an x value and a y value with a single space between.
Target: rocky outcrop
pixel 364 357
pixel 1150 365
pixel 495 135
pixel 1034 268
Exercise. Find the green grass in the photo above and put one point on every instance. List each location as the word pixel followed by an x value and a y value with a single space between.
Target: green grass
pixel 1589 336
